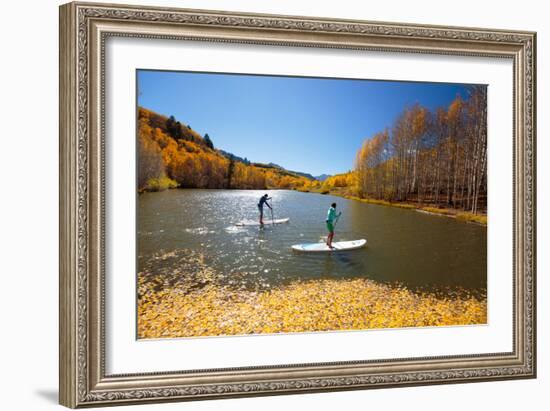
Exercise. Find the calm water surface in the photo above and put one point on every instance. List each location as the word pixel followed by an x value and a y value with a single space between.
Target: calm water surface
pixel 416 249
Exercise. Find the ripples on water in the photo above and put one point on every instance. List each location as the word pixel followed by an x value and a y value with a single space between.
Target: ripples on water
pixel 404 246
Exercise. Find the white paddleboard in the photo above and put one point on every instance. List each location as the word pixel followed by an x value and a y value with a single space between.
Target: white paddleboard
pixel 266 222
pixel 323 248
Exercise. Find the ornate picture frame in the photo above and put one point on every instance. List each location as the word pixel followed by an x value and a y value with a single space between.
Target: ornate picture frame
pixel 84 29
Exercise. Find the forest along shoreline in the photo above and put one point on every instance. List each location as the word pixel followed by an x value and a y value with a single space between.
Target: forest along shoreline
pixel 480 219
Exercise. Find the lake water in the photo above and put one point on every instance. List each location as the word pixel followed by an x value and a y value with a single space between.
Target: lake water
pixel 415 249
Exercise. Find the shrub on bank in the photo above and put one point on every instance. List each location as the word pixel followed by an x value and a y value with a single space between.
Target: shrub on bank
pixel 444 211
pixel 160 184
pixel 474 218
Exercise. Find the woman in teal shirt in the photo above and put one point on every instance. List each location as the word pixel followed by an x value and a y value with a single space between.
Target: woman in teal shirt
pixel 332 217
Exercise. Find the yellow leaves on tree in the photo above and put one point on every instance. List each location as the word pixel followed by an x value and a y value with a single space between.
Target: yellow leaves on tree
pixel 437 158
pixel 345 182
pixel 151 166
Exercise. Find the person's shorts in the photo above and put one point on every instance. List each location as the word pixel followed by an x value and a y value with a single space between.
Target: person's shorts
pixel 261 210
pixel 330 227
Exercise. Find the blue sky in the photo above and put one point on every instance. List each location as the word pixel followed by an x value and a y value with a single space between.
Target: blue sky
pixel 304 124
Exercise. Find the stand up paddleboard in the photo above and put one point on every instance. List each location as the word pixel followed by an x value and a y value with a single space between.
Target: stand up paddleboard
pixel 323 248
pixel 266 222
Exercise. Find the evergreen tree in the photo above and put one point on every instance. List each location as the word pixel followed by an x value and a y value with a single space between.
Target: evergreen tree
pixel 230 170
pixel 208 141
pixel 177 131
pixel 171 126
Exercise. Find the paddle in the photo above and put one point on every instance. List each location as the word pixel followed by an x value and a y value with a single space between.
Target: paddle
pixel 271 208
pixel 337 218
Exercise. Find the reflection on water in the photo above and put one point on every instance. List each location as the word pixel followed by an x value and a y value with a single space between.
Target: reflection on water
pixel 405 246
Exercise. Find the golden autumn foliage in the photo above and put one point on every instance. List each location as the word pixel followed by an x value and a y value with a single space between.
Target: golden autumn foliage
pixel 437 158
pixel 347 180
pixel 160 184
pixel 171 154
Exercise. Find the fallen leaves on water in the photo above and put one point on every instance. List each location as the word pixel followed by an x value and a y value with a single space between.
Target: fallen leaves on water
pixel 178 310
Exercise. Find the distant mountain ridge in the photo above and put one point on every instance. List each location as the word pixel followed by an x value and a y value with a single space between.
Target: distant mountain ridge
pixel 306 175
pixel 280 168
pixel 322 177
pixel 233 157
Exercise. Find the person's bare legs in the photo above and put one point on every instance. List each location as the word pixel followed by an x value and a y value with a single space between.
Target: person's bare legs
pixel 329 239
pixel 261 217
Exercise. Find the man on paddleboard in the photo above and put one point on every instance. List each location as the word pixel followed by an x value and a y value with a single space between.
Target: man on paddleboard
pixel 263 200
pixel 331 220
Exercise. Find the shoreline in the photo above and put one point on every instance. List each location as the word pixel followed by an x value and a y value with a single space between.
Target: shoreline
pixel 459 215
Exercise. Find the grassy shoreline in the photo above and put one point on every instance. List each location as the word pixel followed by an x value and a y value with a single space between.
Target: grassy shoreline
pixel 446 212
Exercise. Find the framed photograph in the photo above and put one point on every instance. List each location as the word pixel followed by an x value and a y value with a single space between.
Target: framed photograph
pixel 259 204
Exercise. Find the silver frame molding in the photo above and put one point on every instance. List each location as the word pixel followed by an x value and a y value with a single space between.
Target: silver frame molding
pixel 84 28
